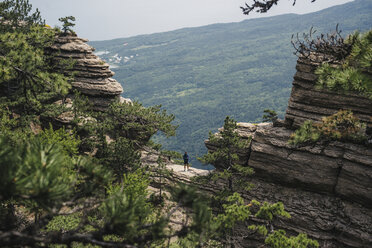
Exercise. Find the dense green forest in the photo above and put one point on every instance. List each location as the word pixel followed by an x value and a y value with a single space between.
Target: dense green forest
pixel 204 74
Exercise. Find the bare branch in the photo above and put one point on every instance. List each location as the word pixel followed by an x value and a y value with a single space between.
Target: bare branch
pixel 331 46
pixel 262 6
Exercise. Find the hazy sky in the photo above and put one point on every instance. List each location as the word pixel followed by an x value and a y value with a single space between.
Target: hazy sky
pixel 109 19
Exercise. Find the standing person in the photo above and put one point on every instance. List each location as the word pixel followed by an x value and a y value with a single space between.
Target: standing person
pixel 186 161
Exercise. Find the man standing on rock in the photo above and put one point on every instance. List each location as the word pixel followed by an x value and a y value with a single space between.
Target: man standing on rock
pixel 186 162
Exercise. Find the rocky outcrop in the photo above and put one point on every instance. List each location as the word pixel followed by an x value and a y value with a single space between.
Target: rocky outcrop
pixel 334 222
pixel 149 158
pixel 341 169
pixel 308 103
pixel 92 76
pixel 327 186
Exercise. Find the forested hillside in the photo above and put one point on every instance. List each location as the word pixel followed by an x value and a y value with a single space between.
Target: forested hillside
pixel 237 69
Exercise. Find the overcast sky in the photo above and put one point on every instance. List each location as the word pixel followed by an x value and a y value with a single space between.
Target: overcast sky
pixel 109 19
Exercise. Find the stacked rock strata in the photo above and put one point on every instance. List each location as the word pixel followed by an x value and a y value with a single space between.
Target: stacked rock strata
pixel 92 76
pixel 308 103
pixel 327 188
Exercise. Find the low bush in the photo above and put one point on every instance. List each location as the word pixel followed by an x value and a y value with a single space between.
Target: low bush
pixel 340 126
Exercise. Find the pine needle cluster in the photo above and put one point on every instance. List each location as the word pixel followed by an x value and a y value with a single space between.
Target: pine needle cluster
pixel 343 125
pixel 354 74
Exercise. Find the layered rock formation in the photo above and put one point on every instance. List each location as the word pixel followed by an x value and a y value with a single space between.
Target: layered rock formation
pixel 308 103
pixel 326 187
pixel 92 76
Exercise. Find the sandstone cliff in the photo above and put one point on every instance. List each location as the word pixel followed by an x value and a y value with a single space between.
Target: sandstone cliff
pixel 308 103
pixel 92 76
pixel 326 187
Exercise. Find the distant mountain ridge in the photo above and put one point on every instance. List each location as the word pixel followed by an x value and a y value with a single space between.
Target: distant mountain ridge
pixel 203 74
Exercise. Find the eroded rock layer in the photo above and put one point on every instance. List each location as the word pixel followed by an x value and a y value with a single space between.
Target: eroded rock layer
pixel 334 222
pixel 92 76
pixel 327 186
pixel 308 103
pixel 336 168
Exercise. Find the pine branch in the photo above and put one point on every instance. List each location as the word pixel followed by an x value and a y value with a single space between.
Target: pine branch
pixel 262 6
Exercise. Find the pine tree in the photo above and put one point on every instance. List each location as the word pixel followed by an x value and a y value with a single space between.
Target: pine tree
pixel 16 15
pixel 225 157
pixel 67 23
pixel 270 116
pixel 354 74
pixel 231 208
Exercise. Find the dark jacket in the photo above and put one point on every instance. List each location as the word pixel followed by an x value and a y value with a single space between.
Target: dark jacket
pixel 185 157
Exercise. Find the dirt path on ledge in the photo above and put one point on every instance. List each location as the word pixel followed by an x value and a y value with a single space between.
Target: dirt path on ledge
pixel 150 158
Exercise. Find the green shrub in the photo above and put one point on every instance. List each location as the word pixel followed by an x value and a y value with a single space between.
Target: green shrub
pixel 307 133
pixel 35 171
pixel 340 126
pixel 354 74
pixel 269 116
pixel 67 140
pixel 126 208
pixel 278 239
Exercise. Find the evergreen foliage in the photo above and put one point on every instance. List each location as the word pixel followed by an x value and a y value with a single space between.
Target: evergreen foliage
pixel 152 119
pixel 35 172
pixel 126 208
pixel 26 69
pixel 67 23
pixel 306 134
pixel 278 239
pixel 122 156
pixel 225 157
pixel 159 175
pixel 16 15
pixel 354 74
pixel 229 204
pixel 270 116
pixel 342 125
pixel 121 131
pixel 67 140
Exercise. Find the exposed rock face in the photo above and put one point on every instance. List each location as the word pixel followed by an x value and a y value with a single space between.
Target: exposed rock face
pixel 337 168
pixel 326 187
pixel 308 103
pixel 93 76
pixel 334 222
